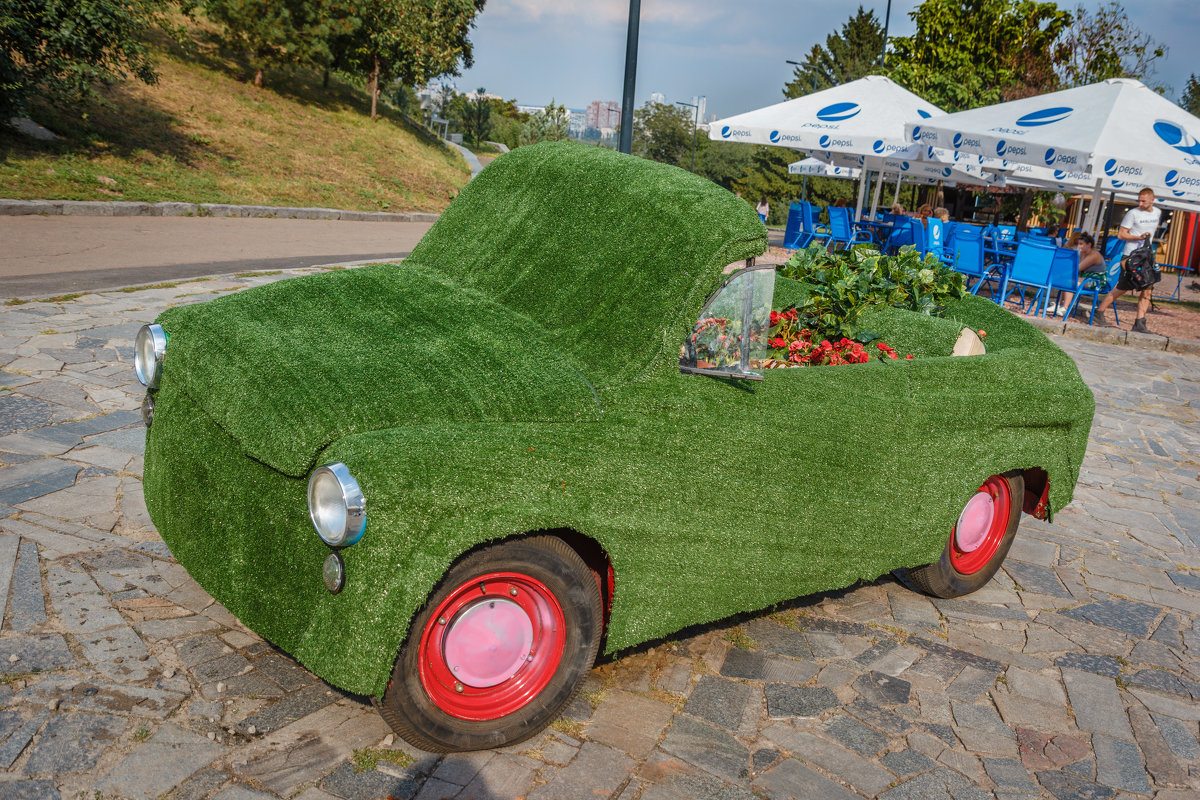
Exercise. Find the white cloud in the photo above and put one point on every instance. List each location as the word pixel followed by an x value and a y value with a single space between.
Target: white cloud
pixel 608 12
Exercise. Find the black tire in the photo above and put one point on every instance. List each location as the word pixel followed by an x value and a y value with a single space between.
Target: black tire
pixel 941 579
pixel 421 709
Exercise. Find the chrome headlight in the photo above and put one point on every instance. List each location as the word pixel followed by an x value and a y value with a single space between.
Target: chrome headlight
pixel 149 347
pixel 336 505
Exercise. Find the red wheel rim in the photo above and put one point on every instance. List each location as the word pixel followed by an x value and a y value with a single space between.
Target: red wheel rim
pixel 492 646
pixel 981 527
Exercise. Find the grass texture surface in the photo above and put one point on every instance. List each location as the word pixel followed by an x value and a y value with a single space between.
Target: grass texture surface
pixel 519 373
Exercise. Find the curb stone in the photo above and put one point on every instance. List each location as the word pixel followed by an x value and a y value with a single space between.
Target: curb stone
pixel 102 208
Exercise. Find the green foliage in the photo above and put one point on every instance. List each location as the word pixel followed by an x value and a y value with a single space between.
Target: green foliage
pixel 840 286
pixel 547 125
pixel 1102 45
pixel 59 49
pixel 278 32
pixel 663 133
pixel 477 118
pixel 767 177
pixel 970 53
pixel 411 41
pixel 723 163
pixel 1191 96
pixel 848 54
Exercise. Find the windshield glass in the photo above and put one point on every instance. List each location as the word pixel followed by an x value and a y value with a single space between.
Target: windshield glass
pixel 733 326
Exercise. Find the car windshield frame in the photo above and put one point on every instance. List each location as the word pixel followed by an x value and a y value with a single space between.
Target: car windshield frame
pixel 688 361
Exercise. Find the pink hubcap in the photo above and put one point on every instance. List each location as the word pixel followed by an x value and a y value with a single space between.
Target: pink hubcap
pixel 981 527
pixel 488 642
pixel 974 522
pixel 491 646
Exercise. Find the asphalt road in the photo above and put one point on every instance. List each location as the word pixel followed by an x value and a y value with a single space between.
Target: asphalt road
pixel 50 255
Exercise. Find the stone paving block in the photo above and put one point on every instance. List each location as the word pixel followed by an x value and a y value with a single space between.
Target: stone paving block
pixel 73 743
pixel 854 735
pixel 347 783
pixel 824 645
pixel 981 663
pixel 43 652
pixel 781 669
pixel 971 683
pixel 878 718
pixel 287 673
pixel 221 668
pixel 21 733
pixel 981 718
pixel 308 749
pixel 19 414
pixel 503 777
pixel 741 663
pixel 1162 681
pixel 776 638
pixel 175 628
pixel 1180 738
pixel 937 666
pixel 1097 704
pixel 719 701
pixel 1160 760
pixel 82 607
pixel 159 764
pixel 907 762
pixel 633 724
pixel 79 694
pixel 672 779
pixel 196 650
pixel 883 689
pixel 785 701
pixel 9 545
pixel 29 790
pixel 596 772
pixel 1043 688
pixel 1018 711
pixel 1101 665
pixel 1035 578
pixel 118 654
pixel 27 607
pixel 977 612
pixel 865 776
pixel 706 747
pixel 461 768
pixel 1042 751
pixel 791 779
pixel 1119 764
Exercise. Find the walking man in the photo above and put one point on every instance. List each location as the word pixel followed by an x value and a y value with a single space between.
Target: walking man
pixel 1137 225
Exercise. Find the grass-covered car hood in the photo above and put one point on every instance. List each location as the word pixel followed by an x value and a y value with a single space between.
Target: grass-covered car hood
pixel 287 368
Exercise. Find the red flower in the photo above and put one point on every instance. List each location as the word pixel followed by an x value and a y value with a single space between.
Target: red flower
pixel 792 314
pixel 778 342
pixel 775 317
pixel 909 356
pixel 982 334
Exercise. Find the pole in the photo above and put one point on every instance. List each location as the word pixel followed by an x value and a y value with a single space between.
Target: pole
pixel 804 192
pixel 875 196
pixel 631 43
pixel 887 18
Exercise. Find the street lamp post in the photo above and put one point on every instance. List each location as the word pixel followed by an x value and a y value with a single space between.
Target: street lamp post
pixel 695 125
pixel 798 64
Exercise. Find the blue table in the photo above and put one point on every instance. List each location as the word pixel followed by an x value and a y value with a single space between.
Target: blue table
pixel 1180 271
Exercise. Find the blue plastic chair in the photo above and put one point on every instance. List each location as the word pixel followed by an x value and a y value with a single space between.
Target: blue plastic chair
pixel 793 233
pixel 967 257
pixel 935 240
pixel 1030 269
pixel 841 232
pixel 812 230
pixel 1064 277
pixel 1097 284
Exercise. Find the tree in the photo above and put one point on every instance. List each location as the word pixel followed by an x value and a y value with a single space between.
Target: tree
pixel 969 53
pixel 847 55
pixel 477 117
pixel 547 125
pixel 723 163
pixel 277 32
pixel 663 133
pixel 1105 45
pixel 59 49
pixel 1191 96
pixel 412 41
pixel 767 178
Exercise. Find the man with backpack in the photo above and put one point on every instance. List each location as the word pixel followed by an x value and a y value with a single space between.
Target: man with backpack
pixel 1137 226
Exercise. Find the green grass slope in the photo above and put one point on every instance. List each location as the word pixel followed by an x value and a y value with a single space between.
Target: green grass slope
pixel 206 134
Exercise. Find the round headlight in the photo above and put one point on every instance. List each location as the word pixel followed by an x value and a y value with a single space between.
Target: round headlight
pixel 149 347
pixel 336 505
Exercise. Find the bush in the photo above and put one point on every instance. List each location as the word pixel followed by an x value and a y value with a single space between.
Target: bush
pixel 839 286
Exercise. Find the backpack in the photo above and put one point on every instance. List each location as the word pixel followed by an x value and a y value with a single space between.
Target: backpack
pixel 1139 270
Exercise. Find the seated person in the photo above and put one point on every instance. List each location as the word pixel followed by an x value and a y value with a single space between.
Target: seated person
pixel 942 214
pixel 1090 262
pixel 897 209
pixel 924 213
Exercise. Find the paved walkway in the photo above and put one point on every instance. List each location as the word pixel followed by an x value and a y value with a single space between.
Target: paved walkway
pixel 1075 674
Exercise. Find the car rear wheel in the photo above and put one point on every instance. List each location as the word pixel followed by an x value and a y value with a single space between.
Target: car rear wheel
pixel 499 649
pixel 979 540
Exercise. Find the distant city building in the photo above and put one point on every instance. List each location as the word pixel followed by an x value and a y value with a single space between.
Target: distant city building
pixel 603 114
pixel 658 97
pixel 702 102
pixel 576 123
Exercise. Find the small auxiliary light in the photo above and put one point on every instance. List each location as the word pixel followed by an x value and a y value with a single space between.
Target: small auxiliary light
pixel 333 572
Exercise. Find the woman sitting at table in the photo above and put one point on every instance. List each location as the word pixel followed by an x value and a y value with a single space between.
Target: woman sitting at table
pixel 897 209
pixel 924 213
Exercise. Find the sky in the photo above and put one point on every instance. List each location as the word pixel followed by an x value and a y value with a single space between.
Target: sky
pixel 733 53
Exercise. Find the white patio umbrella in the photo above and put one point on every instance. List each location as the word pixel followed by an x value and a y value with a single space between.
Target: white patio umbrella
pixel 1116 129
pixel 822 169
pixel 862 117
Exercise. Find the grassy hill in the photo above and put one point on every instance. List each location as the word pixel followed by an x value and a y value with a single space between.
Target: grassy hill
pixel 205 134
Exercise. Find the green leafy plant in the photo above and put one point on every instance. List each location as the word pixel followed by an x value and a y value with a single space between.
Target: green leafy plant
pixel 839 286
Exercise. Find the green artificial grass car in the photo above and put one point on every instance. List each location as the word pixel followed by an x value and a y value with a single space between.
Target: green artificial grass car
pixel 509 464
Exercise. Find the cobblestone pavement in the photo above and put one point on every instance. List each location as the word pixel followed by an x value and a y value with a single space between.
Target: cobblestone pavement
pixel 1075 674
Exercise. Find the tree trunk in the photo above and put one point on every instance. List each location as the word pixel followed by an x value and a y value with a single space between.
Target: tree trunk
pixel 374 84
pixel 325 79
pixel 1026 204
pixel 258 78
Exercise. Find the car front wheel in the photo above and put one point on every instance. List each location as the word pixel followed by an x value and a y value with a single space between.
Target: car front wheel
pixel 979 540
pixel 499 649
